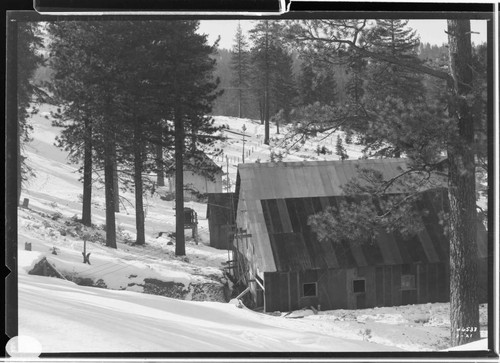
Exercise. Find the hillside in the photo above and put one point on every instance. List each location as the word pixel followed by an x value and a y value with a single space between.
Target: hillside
pixel 145 299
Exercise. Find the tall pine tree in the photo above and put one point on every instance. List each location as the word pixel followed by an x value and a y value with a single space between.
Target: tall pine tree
pixel 240 65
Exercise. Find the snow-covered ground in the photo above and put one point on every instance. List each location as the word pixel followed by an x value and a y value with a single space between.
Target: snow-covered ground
pixel 255 150
pixel 133 309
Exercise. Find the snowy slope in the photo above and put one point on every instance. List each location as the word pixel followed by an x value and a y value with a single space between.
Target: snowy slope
pixel 66 317
pixel 256 150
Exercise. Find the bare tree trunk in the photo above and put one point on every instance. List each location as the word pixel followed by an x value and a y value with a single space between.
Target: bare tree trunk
pixel 266 91
pixel 87 175
pixel 138 166
pixel 19 159
pixel 109 192
pixel 240 111
pixel 261 109
pixel 180 247
pixel 160 173
pixel 116 189
pixel 464 302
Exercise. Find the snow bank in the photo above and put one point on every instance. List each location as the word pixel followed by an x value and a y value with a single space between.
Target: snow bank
pixel 65 317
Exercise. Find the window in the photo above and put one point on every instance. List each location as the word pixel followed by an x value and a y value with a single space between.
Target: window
pixel 358 286
pixel 309 289
pixel 407 282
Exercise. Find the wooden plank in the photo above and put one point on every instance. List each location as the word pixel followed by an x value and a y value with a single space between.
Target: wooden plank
pixel 357 252
pixel 284 292
pixel 396 284
pixel 385 248
pixel 294 290
pixel 429 249
pixel 379 286
pixel 330 256
pixel 443 283
pixel 394 248
pixel 299 178
pixel 326 181
pixel 341 177
pixel 350 296
pixel 285 218
pixel 423 283
pixel 314 186
pixel 387 286
pixel 371 287
pixel 281 176
pixel 336 181
pixel 275 215
pixel 361 301
pixel 432 283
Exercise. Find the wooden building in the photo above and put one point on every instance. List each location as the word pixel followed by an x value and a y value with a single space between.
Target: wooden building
pixel 221 213
pixel 201 176
pixel 287 268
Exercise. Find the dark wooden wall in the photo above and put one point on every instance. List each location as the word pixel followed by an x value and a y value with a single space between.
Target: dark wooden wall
pixel 220 235
pixel 283 290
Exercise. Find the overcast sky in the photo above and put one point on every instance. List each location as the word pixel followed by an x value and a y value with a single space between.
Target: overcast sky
pixel 430 30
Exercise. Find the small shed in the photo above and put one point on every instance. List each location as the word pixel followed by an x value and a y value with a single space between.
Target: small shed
pixel 221 213
pixel 201 176
pixel 286 267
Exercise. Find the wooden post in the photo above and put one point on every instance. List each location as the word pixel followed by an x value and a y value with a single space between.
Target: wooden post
pixel 417 283
pixel 289 292
pixel 86 256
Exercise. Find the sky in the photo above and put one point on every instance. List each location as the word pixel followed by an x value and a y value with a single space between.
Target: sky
pixel 430 30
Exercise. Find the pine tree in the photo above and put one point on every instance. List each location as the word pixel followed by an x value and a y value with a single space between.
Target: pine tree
pixel 394 38
pixel 72 86
pixel 241 67
pixel 317 83
pixel 263 36
pixel 283 86
pixel 340 149
pixel 29 60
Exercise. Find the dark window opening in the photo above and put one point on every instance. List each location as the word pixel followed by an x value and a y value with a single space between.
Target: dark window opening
pixel 309 289
pixel 358 285
pixel 408 282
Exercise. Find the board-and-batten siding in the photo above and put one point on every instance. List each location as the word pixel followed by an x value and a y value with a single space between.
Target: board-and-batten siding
pixel 334 287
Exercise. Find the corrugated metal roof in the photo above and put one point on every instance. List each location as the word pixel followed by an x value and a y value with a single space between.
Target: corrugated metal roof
pixel 300 249
pixel 311 178
pixel 295 190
